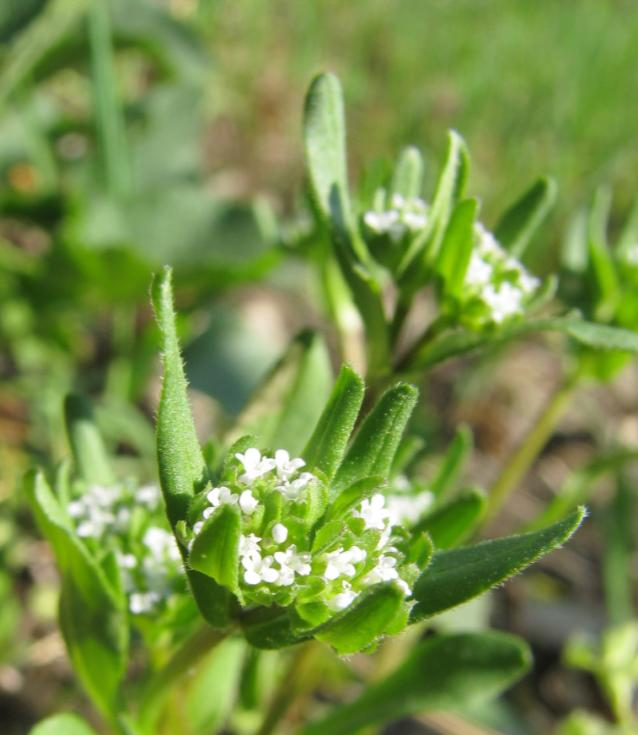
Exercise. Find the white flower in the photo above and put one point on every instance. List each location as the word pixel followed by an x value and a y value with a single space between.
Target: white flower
pixel 373 512
pixel 341 563
pixel 259 570
pixel 76 508
pixel 248 502
pixel 279 533
pixel 407 509
pixel 293 488
pixel 148 495
pixel 299 562
pixel 249 545
pixel 161 543
pixel 197 527
pixel 126 561
pixel 398 201
pixel 503 302
pixel 254 464
pixel 384 571
pixel 221 496
pixel 143 602
pixel 415 221
pixel 286 466
pixel 479 271
pixel 344 598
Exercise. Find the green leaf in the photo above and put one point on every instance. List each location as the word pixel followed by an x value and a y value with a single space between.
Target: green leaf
pixel 182 468
pixel 89 453
pixel 352 495
pixel 214 690
pixel 519 223
pixel 364 621
pixel 325 150
pixel 407 178
pixel 449 191
pixel 215 550
pixel 455 576
pixel 375 444
pixel 291 398
pixel 181 464
pixel 452 462
pixel 92 616
pixel 456 249
pixel 63 724
pixel 445 672
pixel 454 521
pixel 326 446
pixel 270 628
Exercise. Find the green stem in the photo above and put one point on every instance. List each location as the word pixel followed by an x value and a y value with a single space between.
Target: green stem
pixel 299 677
pixel 193 649
pixel 404 364
pixel 527 451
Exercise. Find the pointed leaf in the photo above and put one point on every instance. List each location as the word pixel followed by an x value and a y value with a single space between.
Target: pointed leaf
pixel 442 673
pixel 454 521
pixel 181 464
pixel 215 550
pixel 270 628
pixel 89 453
pixel 407 178
pixel 361 624
pixel 289 402
pixel 92 615
pixel 352 495
pixel 455 576
pixel 64 724
pixel 456 249
pixel 522 219
pixel 375 444
pixel 329 440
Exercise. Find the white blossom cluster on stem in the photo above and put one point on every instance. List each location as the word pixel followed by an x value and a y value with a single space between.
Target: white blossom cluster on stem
pixel 283 558
pixel 499 282
pixel 404 216
pixel 128 520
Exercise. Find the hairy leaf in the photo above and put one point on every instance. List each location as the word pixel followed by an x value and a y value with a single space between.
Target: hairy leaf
pixel 407 178
pixel 455 576
pixel 442 673
pixel 454 521
pixel 215 550
pixel 87 447
pixel 456 248
pixel 329 440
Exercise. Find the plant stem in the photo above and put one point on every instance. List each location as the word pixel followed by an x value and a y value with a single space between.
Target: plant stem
pixel 527 451
pixel 297 679
pixel 194 648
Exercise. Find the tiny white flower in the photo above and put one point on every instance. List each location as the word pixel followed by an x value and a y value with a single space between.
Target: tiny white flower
pixel 503 302
pixel 340 563
pixel 126 561
pixel 148 495
pixel 398 201
pixel 254 464
pixel 373 512
pixel 88 529
pixel 197 527
pixel 143 602
pixel 414 221
pixel 248 502
pixel 279 533
pixel 385 571
pixel 221 496
pixel 208 512
pixel 299 562
pixel 259 570
pixel 407 509
pixel 479 272
pixel 76 508
pixel 249 545
pixel 344 598
pixel 286 466
pixel 292 489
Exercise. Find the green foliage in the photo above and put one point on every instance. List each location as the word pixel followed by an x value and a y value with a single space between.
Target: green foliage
pixel 66 724
pixel 458 575
pixel 441 673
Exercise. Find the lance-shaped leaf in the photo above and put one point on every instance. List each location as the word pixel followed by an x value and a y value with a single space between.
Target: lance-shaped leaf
pixel 92 614
pixel 353 495
pixel 181 464
pixel 454 521
pixel 64 724
pixel 449 191
pixel 407 177
pixel 215 550
pixel 455 576
pixel 270 628
pixel 325 151
pixel 442 673
pixel 288 404
pixel 89 454
pixel 456 249
pixel 364 621
pixel 326 446
pixel 519 223
pixel 452 463
pixel 375 444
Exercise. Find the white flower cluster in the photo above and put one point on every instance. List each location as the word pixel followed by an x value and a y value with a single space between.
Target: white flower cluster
pixel 499 281
pixel 274 554
pixel 280 468
pixel 406 509
pixel 105 515
pixel 404 216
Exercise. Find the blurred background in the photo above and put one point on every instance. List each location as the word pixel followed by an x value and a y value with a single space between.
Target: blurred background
pixel 135 133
